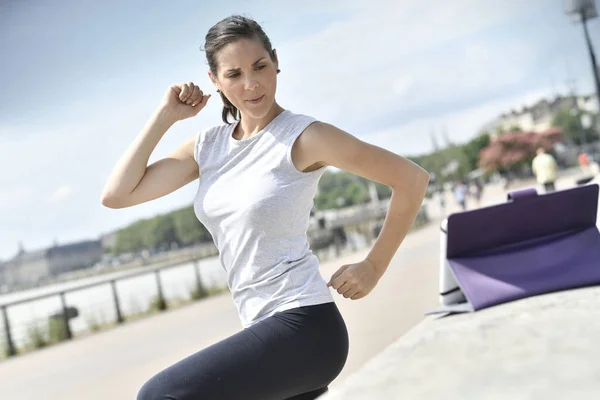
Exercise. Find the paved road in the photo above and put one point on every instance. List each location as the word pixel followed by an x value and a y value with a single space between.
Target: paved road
pixel 115 363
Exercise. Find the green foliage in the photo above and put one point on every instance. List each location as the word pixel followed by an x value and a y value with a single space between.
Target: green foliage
pixel 466 156
pixel 356 193
pixel 187 227
pixel 131 238
pixel 383 191
pixel 160 232
pixel 157 304
pixel 343 189
pixel 180 226
pixel 196 294
pixel 96 322
pixel 472 149
pixel 36 337
pixel 572 128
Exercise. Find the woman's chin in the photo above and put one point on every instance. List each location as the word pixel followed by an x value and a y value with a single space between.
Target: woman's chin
pixel 258 111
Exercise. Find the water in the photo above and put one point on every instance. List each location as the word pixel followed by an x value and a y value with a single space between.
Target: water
pixel 96 304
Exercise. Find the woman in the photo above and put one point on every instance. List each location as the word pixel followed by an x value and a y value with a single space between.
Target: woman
pixel 257 181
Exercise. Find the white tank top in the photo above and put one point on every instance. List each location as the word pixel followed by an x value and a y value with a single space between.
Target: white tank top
pixel 256 205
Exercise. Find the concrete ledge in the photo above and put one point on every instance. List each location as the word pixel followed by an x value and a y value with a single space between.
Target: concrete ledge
pixel 541 347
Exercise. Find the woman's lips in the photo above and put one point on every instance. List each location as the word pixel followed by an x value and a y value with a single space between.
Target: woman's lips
pixel 255 100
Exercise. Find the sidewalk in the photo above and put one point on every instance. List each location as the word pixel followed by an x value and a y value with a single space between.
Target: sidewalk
pixel 543 347
pixel 539 347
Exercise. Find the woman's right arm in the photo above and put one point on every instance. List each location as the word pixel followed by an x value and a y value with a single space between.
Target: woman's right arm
pixel 132 181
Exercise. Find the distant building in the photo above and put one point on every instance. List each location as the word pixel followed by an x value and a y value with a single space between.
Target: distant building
pixel 29 268
pixel 538 117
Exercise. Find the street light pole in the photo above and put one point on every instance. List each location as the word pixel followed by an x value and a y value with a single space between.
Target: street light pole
pixel 592 55
pixel 581 11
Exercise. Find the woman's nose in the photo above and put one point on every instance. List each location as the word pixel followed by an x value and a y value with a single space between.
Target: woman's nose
pixel 251 84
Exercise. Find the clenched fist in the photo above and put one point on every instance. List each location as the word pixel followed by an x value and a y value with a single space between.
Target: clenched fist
pixel 355 281
pixel 184 101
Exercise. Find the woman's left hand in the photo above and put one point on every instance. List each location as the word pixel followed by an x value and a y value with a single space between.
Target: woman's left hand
pixel 355 281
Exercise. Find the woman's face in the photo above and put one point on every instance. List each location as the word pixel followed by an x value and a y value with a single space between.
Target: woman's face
pixel 246 72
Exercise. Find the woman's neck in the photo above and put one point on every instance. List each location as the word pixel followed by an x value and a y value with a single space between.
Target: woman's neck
pixel 248 127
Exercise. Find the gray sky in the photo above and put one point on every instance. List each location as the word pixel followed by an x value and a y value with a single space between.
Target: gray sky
pixel 80 78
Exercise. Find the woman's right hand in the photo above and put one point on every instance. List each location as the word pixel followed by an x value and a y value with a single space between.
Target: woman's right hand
pixel 182 101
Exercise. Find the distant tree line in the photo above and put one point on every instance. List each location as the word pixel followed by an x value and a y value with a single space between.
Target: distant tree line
pixel 465 157
pixel 336 190
pixel 158 233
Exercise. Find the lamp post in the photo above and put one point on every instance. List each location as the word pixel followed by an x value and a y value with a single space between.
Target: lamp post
pixel 582 11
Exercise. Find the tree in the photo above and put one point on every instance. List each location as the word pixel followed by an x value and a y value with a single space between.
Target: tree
pixel 356 193
pixel 513 150
pixel 180 226
pixel 439 162
pixel 160 232
pixel 131 238
pixel 473 148
pixel 383 191
pixel 570 122
pixel 343 189
pixel 187 227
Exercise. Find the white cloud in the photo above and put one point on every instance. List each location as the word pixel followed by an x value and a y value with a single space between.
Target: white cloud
pixel 62 194
pixel 399 56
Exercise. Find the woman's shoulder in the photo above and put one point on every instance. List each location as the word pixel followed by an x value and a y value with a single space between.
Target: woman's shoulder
pixel 299 116
pixel 212 133
pixel 296 123
pixel 210 139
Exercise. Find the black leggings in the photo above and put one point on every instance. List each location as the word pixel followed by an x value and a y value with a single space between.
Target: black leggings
pixel 293 354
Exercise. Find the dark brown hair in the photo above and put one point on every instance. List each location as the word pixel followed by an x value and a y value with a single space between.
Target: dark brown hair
pixel 227 31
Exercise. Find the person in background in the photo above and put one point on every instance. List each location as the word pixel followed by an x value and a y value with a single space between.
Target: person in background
pixel 477 190
pixel 583 159
pixel 545 168
pixel 460 195
pixel 442 199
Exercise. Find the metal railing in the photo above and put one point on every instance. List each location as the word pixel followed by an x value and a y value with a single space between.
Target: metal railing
pixel 67 312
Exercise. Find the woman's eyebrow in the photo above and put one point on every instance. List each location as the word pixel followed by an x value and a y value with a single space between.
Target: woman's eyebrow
pixel 253 64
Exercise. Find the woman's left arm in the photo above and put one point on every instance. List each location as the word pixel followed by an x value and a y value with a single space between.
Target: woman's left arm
pixel 324 144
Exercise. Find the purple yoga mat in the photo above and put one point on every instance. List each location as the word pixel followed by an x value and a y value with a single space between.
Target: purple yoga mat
pixel 530 245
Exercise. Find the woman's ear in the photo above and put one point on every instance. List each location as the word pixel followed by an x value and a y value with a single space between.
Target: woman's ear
pixel 213 79
pixel 276 59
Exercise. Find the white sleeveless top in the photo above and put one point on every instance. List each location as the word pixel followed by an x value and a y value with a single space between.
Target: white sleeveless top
pixel 256 205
